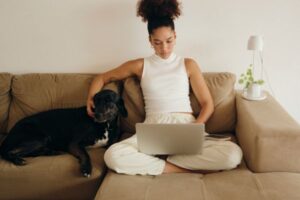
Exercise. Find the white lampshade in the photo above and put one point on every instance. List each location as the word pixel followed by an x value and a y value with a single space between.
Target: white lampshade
pixel 256 43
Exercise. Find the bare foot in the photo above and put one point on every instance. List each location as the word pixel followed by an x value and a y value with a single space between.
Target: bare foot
pixel 171 168
pixel 205 171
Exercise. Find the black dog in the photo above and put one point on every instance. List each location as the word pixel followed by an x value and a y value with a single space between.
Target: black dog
pixel 68 130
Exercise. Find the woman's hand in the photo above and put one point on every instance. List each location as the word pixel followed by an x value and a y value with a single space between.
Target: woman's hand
pixel 95 86
pixel 90 106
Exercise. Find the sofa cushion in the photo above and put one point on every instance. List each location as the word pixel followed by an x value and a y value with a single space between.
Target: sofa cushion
pixel 134 103
pixel 51 177
pixel 235 184
pixel 221 86
pixel 33 93
pixel 239 183
pixel 279 185
pixel 5 83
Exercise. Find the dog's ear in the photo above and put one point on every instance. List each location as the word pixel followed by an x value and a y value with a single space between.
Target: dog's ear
pixel 122 108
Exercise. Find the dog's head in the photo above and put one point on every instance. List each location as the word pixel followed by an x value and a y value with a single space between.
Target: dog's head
pixel 108 104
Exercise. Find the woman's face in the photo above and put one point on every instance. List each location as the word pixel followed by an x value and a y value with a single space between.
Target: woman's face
pixel 163 40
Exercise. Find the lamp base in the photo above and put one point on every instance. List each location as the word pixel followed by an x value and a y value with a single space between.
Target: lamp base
pixel 262 97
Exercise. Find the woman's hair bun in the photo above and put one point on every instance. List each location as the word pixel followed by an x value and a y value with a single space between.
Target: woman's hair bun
pixel 154 9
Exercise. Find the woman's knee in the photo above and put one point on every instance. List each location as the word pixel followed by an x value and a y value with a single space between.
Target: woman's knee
pixel 233 156
pixel 117 155
pixel 112 155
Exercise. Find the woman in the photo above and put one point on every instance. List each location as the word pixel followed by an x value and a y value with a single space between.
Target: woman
pixel 168 72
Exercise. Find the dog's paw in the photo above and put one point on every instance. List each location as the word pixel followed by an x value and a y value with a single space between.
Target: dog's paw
pixel 19 161
pixel 86 170
pixel 87 175
pixel 50 152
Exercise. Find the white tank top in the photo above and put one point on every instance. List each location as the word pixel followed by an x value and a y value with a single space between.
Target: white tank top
pixel 165 85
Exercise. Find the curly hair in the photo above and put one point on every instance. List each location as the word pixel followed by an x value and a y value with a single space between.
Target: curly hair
pixel 158 13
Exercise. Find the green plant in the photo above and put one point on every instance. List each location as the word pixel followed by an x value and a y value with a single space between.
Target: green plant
pixel 247 79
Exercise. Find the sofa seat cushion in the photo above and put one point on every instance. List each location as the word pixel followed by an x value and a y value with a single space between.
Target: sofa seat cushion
pixel 5 84
pixel 221 86
pixel 237 184
pixel 279 185
pixel 51 177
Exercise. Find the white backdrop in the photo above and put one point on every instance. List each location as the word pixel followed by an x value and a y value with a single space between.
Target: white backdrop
pixel 96 35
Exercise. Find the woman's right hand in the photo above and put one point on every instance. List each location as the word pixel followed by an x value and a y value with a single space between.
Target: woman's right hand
pixel 95 86
pixel 90 107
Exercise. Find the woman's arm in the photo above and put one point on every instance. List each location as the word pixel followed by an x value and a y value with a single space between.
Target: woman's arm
pixel 200 90
pixel 130 68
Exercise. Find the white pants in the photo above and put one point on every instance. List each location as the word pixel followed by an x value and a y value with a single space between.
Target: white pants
pixel 124 157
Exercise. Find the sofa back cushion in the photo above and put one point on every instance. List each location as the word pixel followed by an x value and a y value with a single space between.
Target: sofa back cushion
pixel 5 83
pixel 221 86
pixel 33 93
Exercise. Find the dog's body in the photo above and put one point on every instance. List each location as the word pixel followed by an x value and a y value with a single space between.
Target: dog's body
pixel 65 130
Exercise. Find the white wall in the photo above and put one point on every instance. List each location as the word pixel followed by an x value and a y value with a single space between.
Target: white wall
pixel 96 35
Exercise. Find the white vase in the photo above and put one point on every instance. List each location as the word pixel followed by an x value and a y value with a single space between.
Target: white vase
pixel 254 90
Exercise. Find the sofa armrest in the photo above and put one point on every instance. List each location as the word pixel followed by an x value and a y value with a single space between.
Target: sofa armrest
pixel 268 135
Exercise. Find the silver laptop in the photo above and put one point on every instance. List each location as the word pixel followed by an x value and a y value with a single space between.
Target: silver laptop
pixel 169 139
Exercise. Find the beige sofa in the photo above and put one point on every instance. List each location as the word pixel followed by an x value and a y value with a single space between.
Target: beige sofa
pixel 268 136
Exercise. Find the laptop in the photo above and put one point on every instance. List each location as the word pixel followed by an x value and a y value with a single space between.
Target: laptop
pixel 170 139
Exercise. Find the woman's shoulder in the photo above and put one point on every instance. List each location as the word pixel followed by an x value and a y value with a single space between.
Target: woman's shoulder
pixel 135 66
pixel 136 62
pixel 189 61
pixel 191 65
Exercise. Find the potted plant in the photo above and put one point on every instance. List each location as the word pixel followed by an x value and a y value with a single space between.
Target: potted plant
pixel 252 87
